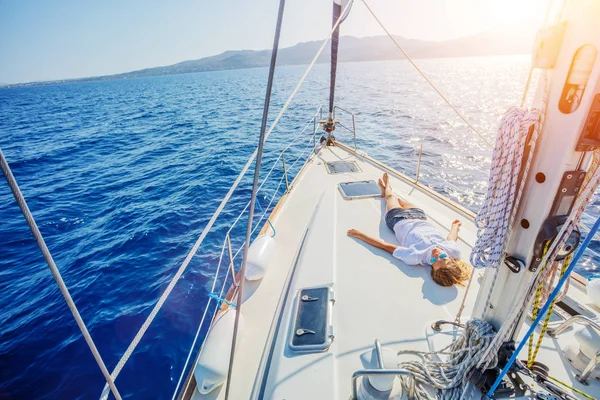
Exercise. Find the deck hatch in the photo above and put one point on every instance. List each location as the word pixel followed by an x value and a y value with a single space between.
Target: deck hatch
pixel 311 326
pixel 340 167
pixel 360 189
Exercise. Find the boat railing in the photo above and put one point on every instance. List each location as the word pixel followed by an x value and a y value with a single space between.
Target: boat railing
pixel 353 129
pixel 581 319
pixel 224 278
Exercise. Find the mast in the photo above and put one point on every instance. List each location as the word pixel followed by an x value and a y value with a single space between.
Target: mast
pixel 335 39
pixel 568 51
pixel 329 124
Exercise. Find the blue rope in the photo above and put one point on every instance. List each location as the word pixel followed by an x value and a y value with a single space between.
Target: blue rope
pixel 270 224
pixel 215 296
pixel 542 312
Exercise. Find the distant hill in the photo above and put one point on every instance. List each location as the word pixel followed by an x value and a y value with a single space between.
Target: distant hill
pixel 507 41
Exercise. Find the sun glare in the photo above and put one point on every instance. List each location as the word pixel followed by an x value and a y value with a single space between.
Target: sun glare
pixel 507 12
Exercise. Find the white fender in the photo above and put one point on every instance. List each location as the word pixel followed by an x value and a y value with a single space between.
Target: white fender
pixel 213 362
pixel 260 254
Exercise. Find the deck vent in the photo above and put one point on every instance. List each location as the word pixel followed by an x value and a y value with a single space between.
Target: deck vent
pixel 341 167
pixel 359 190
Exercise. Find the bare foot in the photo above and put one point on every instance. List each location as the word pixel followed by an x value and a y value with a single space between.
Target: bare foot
pixel 388 186
pixel 382 187
pixel 456 223
pixel 354 233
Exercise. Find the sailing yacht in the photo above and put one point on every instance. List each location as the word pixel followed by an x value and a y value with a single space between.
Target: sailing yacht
pixel 328 317
pixel 312 313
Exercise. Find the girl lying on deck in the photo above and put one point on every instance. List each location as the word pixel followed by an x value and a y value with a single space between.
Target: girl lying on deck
pixel 419 241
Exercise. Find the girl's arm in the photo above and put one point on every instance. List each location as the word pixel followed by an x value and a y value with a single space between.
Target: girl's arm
pixel 380 244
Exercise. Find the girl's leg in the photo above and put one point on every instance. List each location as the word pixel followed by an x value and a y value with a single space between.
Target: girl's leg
pixel 405 204
pixel 392 201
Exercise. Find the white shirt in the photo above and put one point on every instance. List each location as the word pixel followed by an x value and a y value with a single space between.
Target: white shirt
pixel 417 239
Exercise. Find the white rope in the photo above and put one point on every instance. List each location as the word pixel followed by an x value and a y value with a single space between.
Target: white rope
pixel 12 183
pixel 520 304
pixel 449 377
pixel 464 300
pixel 495 218
pixel 506 228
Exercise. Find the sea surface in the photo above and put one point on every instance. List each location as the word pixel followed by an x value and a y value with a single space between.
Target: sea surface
pixel 122 176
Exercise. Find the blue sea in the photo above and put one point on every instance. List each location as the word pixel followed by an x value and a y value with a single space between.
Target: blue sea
pixel 122 176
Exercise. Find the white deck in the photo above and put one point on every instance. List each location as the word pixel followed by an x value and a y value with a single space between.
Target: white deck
pixel 377 296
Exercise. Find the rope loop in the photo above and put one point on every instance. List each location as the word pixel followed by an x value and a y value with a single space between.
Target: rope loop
pixel 221 300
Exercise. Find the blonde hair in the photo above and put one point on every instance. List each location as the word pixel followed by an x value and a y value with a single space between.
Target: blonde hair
pixel 455 272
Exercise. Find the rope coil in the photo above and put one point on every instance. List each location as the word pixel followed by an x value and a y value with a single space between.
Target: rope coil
pixel 449 377
pixel 495 218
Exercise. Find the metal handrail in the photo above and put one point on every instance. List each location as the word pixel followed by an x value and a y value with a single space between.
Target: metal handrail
pixel 582 319
pixel 353 130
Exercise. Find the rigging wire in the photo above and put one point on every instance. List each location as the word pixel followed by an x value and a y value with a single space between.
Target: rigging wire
pixel 261 143
pixel 14 187
pixel 426 78
pixel 203 317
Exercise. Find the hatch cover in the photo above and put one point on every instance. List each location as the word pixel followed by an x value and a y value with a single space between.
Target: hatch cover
pixel 341 167
pixel 312 329
pixel 359 190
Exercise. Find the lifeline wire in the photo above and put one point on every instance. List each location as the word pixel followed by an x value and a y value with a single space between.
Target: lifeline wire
pixel 14 187
pixel 201 324
pixel 208 226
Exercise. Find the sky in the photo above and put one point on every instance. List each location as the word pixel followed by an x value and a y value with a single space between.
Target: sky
pixel 59 39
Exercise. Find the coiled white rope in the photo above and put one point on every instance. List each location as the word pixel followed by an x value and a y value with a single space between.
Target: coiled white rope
pixel 494 220
pixel 449 377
